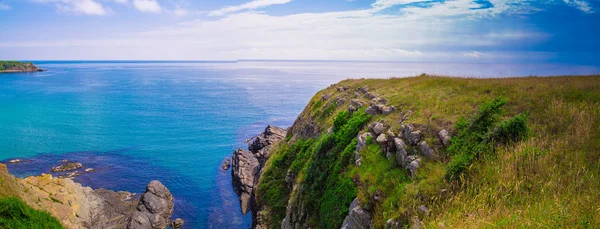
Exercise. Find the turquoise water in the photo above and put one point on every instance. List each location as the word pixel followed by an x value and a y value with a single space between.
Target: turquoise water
pixel 177 121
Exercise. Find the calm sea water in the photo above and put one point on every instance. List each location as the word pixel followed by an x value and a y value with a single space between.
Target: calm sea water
pixel 176 121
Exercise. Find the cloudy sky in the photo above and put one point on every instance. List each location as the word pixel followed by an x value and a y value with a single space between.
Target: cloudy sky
pixel 565 31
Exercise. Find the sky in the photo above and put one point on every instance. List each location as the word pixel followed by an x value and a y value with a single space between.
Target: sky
pixel 492 31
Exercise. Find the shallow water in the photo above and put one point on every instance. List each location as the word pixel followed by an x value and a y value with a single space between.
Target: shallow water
pixel 176 121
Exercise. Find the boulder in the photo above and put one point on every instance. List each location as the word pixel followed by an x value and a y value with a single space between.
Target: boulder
pixel 244 174
pixel 413 164
pixel 177 223
pixel 377 128
pixel 371 95
pixel 423 209
pixel 340 101
pixel 444 137
pixel 154 209
pixel 352 109
pixel 364 89
pixel 415 137
pixel 357 218
pixel 382 139
pixel 401 154
pixel 357 103
pixel 226 164
pixel 371 110
pixel 425 150
pixel 326 97
pixel 386 110
pixel 342 89
pixel 378 100
pixel 361 143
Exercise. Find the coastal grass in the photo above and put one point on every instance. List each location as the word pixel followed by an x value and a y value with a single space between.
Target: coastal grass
pixel 538 165
pixel 15 214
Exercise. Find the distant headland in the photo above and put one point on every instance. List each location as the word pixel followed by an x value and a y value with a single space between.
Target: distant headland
pixel 16 66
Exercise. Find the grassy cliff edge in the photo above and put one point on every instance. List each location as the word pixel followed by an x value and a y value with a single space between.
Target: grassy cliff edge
pixel 547 175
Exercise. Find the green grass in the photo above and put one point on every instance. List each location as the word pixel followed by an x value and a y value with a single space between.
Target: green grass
pixel 15 214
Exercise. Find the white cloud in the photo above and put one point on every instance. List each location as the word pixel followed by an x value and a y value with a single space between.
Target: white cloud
pixel 473 54
pixel 4 6
pixel 121 1
pixel 89 7
pixel 434 33
pixel 147 6
pixel 247 6
pixel 180 12
pixel 581 5
pixel 383 4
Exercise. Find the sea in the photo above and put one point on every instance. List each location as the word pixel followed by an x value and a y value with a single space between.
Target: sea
pixel 176 121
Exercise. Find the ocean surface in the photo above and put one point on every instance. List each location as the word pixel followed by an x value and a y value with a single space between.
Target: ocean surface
pixel 136 121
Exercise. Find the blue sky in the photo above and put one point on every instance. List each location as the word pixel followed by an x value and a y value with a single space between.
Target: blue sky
pixel 521 31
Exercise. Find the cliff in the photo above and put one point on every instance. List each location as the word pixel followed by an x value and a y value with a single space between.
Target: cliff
pixel 15 66
pixel 76 206
pixel 436 152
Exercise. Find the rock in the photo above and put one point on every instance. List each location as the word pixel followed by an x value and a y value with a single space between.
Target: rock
pixel 371 95
pixel 415 137
pixel 357 217
pixel 377 128
pixel 244 174
pixel 289 179
pixel 413 165
pixel 357 103
pixel 364 89
pixel 390 134
pixel 177 223
pixel 426 150
pixel 382 139
pixel 271 135
pixel 325 97
pixel 154 209
pixel 226 164
pixel 371 111
pixel 14 161
pixel 392 224
pixel 352 109
pixel 423 209
pixel 378 100
pixel 401 154
pixel 340 101
pixel 356 94
pixel 68 166
pixel 89 170
pixel 386 110
pixel 342 89
pixel 361 143
pixel 444 137
pixel 378 195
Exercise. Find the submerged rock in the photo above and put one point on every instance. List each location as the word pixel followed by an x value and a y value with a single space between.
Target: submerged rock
pixel 177 223
pixel 68 166
pixel 226 164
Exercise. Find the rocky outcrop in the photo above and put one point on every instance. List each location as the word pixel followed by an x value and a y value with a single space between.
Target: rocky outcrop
pixel 357 218
pixel 154 208
pixel 444 137
pixel 226 164
pixel 78 207
pixel 244 173
pixel 67 166
pixel 247 164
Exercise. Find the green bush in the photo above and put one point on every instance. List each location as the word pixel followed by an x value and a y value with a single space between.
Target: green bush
pixel 474 137
pixel 15 214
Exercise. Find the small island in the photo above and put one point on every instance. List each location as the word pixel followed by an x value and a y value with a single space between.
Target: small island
pixel 16 66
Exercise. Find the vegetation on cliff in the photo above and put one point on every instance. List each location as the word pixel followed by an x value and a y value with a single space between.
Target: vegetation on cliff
pixel 16 66
pixel 14 213
pixel 525 152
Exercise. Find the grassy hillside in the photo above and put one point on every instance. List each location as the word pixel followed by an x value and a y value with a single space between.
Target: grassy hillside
pixel 16 66
pixel 14 212
pixel 525 152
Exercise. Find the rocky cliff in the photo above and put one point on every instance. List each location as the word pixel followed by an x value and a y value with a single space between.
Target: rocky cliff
pixel 429 152
pixel 76 206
